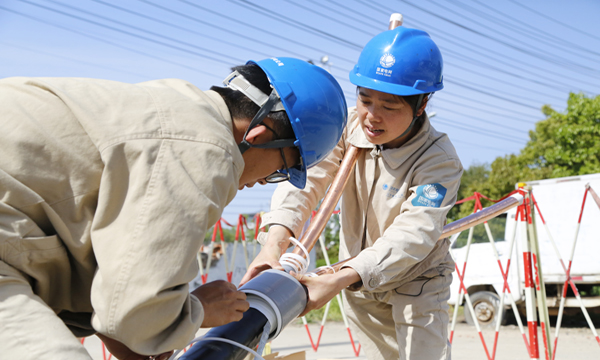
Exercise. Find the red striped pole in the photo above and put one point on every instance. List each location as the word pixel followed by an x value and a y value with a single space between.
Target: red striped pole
pixel 569 281
pixel 506 289
pixel 461 276
pixel 529 289
pixel 540 287
pixel 216 229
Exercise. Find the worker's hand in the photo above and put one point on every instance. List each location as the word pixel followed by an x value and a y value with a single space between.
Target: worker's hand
pixel 268 258
pixel 122 352
pixel 222 303
pixel 323 288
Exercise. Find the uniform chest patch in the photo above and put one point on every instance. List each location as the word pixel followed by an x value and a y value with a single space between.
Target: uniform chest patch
pixel 430 195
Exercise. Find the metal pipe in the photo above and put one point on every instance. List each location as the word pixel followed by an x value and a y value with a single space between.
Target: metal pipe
pixel 317 225
pixel 452 228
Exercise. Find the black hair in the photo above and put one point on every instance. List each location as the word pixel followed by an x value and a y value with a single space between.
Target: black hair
pixel 240 106
pixel 413 102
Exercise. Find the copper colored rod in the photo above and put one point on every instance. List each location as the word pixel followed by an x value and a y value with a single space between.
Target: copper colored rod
pixel 311 236
pixel 454 227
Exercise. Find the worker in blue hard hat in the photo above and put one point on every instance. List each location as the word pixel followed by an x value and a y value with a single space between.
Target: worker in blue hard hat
pixel 107 190
pixel 393 208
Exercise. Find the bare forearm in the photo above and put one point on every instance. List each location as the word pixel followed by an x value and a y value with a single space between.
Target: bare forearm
pixel 279 238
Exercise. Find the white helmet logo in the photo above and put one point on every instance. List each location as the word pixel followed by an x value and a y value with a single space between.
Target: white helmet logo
pixel 430 192
pixel 387 60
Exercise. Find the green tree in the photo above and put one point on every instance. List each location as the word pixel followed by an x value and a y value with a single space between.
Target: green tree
pixel 563 144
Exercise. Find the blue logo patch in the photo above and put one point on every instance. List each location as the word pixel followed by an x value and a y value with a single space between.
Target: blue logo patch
pixel 430 195
pixel 385 186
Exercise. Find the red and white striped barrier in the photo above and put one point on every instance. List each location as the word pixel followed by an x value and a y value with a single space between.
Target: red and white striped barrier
pixel 506 288
pixel 567 270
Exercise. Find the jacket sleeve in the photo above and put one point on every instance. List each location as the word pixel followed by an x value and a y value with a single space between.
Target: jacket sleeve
pixel 291 206
pixel 414 232
pixel 157 199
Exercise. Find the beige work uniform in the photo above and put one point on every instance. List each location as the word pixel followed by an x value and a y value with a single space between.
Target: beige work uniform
pixel 106 192
pixel 392 214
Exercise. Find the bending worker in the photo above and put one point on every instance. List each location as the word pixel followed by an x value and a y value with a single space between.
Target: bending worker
pixel 393 208
pixel 107 190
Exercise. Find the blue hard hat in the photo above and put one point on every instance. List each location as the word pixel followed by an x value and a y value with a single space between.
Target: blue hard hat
pixel 401 61
pixel 315 105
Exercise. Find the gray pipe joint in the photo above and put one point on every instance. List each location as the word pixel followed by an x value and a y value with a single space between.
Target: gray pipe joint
pixel 278 296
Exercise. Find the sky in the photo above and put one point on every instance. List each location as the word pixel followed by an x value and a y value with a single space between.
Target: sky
pixel 503 59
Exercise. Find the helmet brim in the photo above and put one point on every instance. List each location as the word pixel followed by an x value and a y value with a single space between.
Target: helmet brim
pixel 396 89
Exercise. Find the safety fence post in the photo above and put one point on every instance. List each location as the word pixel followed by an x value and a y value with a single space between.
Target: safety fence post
pixel 257 230
pixel 216 229
pixel 105 352
pixel 567 270
pixel 540 287
pixel 460 294
pixel 241 224
pixel 228 270
pixel 506 292
pixel 529 286
pixel 594 195
pixel 313 344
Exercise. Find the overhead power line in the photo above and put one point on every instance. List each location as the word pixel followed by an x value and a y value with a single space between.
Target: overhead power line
pixel 523 28
pixel 45 22
pixel 209 57
pixel 292 22
pixel 476 49
pixel 508 44
pixel 554 21
pixel 514 43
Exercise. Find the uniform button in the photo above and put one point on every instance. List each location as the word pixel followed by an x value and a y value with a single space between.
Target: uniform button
pixel 373 283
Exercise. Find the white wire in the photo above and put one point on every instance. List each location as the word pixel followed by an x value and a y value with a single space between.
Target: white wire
pixel 202 338
pixel 295 261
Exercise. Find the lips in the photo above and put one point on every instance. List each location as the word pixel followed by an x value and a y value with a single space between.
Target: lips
pixel 373 131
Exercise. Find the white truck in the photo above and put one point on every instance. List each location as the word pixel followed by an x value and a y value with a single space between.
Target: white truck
pixel 560 201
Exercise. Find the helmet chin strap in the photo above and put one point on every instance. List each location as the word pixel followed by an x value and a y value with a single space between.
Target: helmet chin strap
pixel 414 120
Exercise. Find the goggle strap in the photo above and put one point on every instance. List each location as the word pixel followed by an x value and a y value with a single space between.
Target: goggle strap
pixel 258 118
pixel 237 81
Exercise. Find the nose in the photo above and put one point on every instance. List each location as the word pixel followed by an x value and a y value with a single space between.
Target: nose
pixel 262 182
pixel 373 114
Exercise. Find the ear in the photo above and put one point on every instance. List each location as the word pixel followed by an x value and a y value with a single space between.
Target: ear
pixel 423 105
pixel 257 134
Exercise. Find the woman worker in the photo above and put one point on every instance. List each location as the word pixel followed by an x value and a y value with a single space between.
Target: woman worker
pixel 393 208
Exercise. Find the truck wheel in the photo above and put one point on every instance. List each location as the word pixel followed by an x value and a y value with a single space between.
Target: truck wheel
pixel 486 305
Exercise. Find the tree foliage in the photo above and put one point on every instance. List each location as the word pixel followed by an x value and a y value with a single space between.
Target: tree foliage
pixel 563 144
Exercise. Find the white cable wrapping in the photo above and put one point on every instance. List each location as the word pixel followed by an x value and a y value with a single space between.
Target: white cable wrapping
pixel 202 338
pixel 295 261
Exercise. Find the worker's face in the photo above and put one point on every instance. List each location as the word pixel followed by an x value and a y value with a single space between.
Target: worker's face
pixel 260 163
pixel 383 117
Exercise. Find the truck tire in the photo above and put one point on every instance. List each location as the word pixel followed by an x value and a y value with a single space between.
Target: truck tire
pixel 486 305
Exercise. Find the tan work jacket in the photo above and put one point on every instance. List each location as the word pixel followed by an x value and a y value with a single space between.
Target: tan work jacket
pixel 393 208
pixel 106 192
